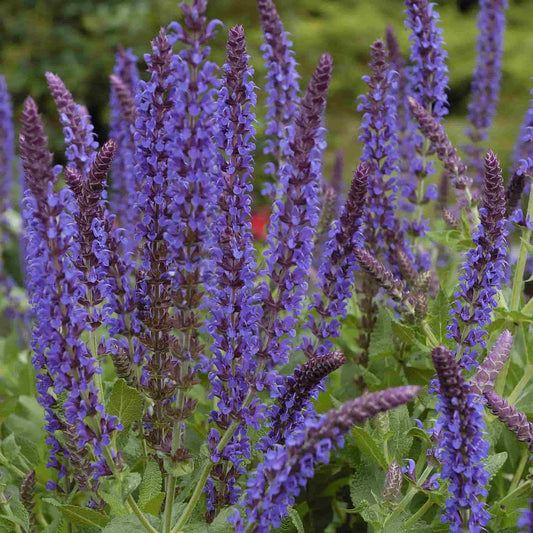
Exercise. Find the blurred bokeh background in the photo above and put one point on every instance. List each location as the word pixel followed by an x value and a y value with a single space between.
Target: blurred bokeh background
pixel 77 39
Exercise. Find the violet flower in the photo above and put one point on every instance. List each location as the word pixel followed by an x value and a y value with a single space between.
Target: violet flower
pixel 486 80
pixel 286 469
pixel 77 127
pixel 461 448
pixel 484 269
pixel 428 82
pixel 282 87
pixel 122 118
pixel 525 522
pixel 293 221
pixel 7 148
pixel 62 359
pixel 233 320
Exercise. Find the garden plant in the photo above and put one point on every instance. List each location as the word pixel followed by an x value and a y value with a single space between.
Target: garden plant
pixel 361 363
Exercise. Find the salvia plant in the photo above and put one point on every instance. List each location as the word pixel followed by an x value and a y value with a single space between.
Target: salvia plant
pixel 365 367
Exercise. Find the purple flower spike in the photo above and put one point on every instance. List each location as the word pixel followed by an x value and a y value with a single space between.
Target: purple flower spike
pixel 483 271
pixel 513 419
pixel 233 323
pixel 488 371
pixel 487 78
pixel 299 388
pixel 123 111
pixel 461 448
pixel 286 469
pixel 380 146
pixel 7 147
pixel 282 86
pixel 77 127
pixel 336 271
pixel 295 216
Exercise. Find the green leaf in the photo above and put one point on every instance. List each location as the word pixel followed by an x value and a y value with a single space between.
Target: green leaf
pixel 400 423
pixel 183 468
pixel 154 505
pixel 82 516
pixel 368 446
pixel 115 503
pixel 126 403
pixel 296 520
pixel 10 448
pixel 20 512
pixel 439 316
pixel 370 378
pixel 130 483
pixel 381 338
pixel 495 462
pixel 419 434
pixel 515 316
pixel 404 333
pixel 151 483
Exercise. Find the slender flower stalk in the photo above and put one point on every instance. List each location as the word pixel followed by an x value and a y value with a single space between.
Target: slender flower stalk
pixel 285 470
pixel 513 419
pixel 299 388
pixel 483 271
pixel 489 370
pixel 77 127
pixel 124 181
pixel 461 448
pixel 429 79
pixel 292 224
pixel 486 80
pixel 282 87
pixel 336 271
pixel 234 319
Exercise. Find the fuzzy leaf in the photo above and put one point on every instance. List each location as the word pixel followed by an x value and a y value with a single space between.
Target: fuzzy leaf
pixel 439 316
pixel 381 338
pixel 368 446
pixel 126 403
pixel 151 483
pixel 296 520
pixel 400 424
pixel 495 462
pixel 128 524
pixel 154 505
pixel 82 516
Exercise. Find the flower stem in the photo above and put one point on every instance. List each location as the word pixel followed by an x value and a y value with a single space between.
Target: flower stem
pixel 132 504
pixel 419 514
pixel 519 470
pixel 169 503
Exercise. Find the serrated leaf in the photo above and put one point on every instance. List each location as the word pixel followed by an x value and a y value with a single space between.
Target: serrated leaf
pixel 296 520
pixel 154 505
pixel 494 463
pixel 82 516
pixel 29 449
pixel 20 512
pixel 151 483
pixel 13 520
pixel 115 503
pixel 126 403
pixel 439 316
pixel 400 423
pixel 370 378
pixel 419 434
pixel 130 483
pixel 368 446
pixel 380 338
pixel 404 333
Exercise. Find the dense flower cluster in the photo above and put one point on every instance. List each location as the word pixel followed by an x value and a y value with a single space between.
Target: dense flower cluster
pixel 461 447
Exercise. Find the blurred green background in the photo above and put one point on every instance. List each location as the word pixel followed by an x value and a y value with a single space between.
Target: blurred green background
pixel 77 38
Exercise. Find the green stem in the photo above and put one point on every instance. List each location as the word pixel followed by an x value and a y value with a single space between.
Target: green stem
pixel 519 470
pixel 430 335
pixel 419 514
pixel 521 385
pixel 169 503
pixel 510 495
pixel 142 519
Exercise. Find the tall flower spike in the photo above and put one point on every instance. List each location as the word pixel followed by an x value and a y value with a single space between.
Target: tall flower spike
pixel 124 183
pixel 395 287
pixel 513 419
pixel 285 469
pixel 461 448
pixel 513 192
pixel 282 86
pixel 336 270
pixel 154 103
pixel 484 269
pixel 233 322
pixel 62 360
pixel 7 147
pixel 380 146
pixel 298 389
pixel 77 127
pixel 488 371
pixel 523 149
pixel 295 216
pixel 428 82
pixel 446 152
pixel 486 79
